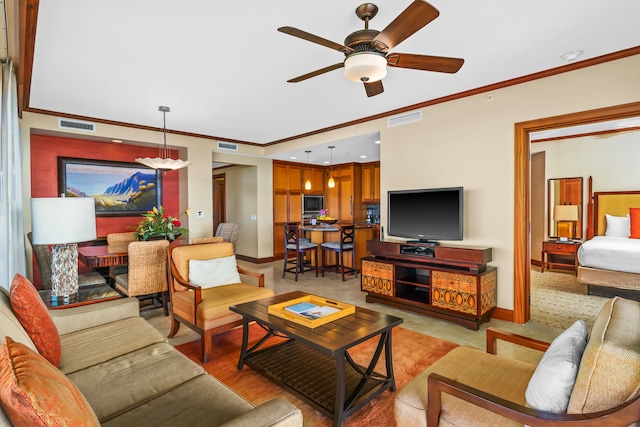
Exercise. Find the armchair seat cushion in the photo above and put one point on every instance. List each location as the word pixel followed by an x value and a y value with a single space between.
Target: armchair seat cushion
pixel 475 368
pixel 214 310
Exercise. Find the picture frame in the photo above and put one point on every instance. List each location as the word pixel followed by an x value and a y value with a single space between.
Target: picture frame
pixel 120 188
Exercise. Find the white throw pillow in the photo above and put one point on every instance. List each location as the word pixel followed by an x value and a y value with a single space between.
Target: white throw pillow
pixel 617 226
pixel 209 273
pixel 552 382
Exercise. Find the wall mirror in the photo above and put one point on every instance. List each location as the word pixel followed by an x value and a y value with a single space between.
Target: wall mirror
pixel 565 208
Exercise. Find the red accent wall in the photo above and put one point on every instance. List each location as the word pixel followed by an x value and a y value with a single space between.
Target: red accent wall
pixel 45 151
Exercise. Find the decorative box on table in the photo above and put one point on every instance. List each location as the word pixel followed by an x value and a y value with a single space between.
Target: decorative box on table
pixel 280 310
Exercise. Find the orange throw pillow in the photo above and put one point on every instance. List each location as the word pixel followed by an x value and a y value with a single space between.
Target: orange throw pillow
pixel 35 393
pixel 34 317
pixel 634 216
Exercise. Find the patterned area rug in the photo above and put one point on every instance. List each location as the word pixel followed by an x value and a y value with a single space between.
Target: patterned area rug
pixel 412 353
pixel 557 299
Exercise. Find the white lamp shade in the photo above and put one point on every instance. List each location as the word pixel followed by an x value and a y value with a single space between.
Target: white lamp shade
pixel 565 213
pixel 365 67
pixel 163 164
pixel 61 220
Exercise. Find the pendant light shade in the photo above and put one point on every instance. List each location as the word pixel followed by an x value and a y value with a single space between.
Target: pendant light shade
pixel 307 183
pixel 164 163
pixel 331 183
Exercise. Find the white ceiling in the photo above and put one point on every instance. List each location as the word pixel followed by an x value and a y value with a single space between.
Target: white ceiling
pixel 222 67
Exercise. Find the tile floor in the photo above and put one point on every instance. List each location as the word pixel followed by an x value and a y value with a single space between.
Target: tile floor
pixel 331 286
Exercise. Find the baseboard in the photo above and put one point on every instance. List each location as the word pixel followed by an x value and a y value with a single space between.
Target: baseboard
pixel 255 260
pixel 502 314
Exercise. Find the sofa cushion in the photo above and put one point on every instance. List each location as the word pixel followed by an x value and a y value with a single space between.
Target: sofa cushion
pixel 33 392
pixel 552 382
pixel 143 373
pixel 469 366
pixel 214 310
pixel 204 401
pixel 9 324
pixel 209 273
pixel 91 346
pixel 34 318
pixel 610 368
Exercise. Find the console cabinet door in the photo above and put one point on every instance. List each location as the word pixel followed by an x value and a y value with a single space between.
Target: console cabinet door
pixel 465 293
pixel 377 277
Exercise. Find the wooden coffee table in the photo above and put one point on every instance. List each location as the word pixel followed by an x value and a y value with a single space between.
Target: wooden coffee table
pixel 314 363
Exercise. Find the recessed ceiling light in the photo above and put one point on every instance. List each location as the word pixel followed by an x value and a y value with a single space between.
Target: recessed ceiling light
pixel 117 141
pixel 572 56
pixel 377 141
pixel 363 157
pixel 326 162
pixel 293 158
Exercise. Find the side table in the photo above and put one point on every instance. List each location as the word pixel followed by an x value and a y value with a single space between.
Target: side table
pixel 89 294
pixel 560 254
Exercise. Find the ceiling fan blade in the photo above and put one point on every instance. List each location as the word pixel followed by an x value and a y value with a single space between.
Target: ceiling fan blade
pixel 316 73
pixel 374 88
pixel 417 15
pixel 315 39
pixel 440 64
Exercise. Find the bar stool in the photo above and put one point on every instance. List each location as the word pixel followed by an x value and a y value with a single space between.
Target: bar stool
pixel 293 243
pixel 345 244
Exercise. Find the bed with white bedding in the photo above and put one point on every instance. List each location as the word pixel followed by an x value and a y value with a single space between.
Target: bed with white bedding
pixel 609 261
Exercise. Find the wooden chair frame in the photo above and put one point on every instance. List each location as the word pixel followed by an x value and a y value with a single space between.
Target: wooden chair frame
pixel 292 237
pixel 347 237
pixel 621 415
pixel 206 335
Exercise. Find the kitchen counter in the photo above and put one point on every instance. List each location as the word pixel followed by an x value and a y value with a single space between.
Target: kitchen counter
pixel 321 233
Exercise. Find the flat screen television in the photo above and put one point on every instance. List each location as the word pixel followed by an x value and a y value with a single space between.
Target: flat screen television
pixel 426 215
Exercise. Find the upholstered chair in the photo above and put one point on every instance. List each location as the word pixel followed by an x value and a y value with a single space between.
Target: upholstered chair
pixel 43 261
pixel 229 232
pixel 297 248
pixel 584 378
pixel 147 273
pixel 344 246
pixel 204 280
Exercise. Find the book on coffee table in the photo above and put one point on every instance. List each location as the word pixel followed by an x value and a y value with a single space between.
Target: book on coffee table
pixel 311 310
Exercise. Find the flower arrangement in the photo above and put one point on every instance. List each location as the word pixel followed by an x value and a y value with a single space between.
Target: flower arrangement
pixel 324 217
pixel 156 223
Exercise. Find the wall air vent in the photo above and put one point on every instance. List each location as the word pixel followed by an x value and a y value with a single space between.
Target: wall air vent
pixel 403 119
pixel 76 125
pixel 227 146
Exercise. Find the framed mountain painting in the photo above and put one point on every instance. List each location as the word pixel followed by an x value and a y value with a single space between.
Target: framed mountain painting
pixel 119 188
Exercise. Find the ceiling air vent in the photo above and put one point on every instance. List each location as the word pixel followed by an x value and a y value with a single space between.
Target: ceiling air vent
pixel 227 146
pixel 76 125
pixel 403 119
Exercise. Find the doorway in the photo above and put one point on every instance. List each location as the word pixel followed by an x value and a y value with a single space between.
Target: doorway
pixel 522 192
pixel 219 201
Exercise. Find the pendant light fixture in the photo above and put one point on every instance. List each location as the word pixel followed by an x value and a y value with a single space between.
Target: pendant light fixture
pixel 163 163
pixel 307 183
pixel 331 183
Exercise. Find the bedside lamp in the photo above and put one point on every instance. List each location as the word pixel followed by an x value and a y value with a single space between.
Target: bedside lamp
pixel 63 222
pixel 566 217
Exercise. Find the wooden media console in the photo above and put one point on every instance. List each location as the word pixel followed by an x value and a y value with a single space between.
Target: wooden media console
pixel 448 282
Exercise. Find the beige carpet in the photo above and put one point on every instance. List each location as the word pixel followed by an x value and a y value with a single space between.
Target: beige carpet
pixel 412 353
pixel 557 299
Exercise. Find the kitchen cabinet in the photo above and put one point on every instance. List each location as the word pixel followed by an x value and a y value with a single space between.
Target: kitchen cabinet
pixel 344 201
pixel 287 200
pixel 371 183
pixel 316 176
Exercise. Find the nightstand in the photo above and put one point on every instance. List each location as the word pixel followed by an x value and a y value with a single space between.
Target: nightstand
pixel 560 254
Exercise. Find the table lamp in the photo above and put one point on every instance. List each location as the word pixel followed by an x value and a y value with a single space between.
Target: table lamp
pixel 565 217
pixel 63 222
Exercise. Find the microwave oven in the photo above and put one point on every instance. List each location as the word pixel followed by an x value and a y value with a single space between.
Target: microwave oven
pixel 312 203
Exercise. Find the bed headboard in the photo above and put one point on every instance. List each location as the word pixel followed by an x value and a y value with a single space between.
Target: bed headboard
pixel 613 203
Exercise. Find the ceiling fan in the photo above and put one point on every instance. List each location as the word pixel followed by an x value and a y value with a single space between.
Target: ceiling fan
pixel 367 51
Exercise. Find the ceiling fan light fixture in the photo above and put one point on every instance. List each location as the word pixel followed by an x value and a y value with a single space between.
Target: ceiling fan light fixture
pixel 365 67
pixel 164 163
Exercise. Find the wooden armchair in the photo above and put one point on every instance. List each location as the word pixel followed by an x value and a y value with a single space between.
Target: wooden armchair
pixel 204 307
pixel 470 387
